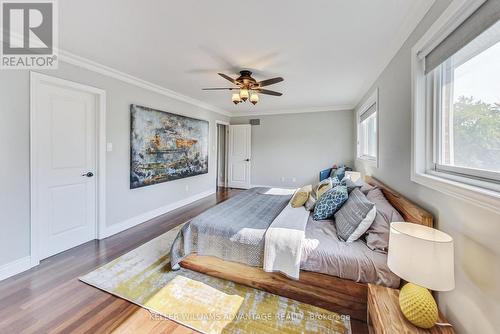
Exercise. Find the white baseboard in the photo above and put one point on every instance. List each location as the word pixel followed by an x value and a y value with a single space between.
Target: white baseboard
pixel 142 218
pixel 18 266
pixel 15 267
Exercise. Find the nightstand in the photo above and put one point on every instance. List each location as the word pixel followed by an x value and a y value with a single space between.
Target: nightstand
pixel 385 317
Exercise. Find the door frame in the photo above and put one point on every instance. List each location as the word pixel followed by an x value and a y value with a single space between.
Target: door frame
pixel 35 80
pixel 226 124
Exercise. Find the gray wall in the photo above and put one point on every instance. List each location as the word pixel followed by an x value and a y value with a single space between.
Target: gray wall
pixel 474 305
pixel 122 203
pixel 298 146
pixel 14 166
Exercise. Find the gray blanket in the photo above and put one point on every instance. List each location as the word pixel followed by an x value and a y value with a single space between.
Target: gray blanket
pixel 233 230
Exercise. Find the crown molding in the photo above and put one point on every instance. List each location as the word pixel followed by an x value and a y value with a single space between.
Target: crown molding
pixel 347 107
pixel 93 66
pixel 402 35
pixel 96 67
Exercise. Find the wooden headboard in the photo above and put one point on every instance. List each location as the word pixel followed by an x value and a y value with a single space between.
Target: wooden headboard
pixel 409 210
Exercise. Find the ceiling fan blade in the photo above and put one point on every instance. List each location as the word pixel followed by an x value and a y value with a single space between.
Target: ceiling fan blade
pixel 228 78
pixel 269 92
pixel 218 88
pixel 270 81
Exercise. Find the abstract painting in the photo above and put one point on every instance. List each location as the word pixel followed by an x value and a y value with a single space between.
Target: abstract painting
pixel 165 146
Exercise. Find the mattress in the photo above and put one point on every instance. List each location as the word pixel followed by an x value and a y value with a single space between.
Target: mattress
pixel 323 252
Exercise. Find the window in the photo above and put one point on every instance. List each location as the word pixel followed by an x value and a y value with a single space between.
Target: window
pixel 368 130
pixel 456 103
pixel 368 136
pixel 466 111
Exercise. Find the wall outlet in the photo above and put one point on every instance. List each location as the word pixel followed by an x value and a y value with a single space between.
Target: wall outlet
pixel 109 147
pixel 282 179
pixel 187 187
pixel 294 179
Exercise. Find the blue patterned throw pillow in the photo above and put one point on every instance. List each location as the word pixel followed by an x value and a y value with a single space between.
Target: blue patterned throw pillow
pixel 330 202
pixel 336 182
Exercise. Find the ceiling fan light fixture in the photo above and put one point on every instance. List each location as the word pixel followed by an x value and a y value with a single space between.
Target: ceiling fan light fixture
pixel 254 98
pixel 247 88
pixel 236 98
pixel 244 94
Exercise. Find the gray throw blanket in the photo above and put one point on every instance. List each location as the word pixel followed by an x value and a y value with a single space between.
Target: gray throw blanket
pixel 233 230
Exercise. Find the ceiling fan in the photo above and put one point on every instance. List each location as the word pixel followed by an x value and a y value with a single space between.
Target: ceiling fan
pixel 248 87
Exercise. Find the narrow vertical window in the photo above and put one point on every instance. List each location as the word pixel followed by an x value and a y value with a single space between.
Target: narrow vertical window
pixel 368 129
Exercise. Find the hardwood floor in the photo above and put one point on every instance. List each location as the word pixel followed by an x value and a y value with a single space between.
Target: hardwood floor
pixel 50 299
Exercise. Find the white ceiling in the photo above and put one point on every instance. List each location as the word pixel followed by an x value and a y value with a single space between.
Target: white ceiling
pixel 328 51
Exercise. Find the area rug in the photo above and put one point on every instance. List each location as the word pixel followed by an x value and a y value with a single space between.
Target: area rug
pixel 204 303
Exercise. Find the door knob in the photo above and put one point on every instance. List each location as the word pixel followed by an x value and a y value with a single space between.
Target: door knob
pixel 88 174
pixel 247 160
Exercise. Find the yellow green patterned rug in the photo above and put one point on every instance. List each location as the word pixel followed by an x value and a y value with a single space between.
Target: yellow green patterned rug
pixel 204 303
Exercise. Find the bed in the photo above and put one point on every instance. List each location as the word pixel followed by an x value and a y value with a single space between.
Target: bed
pixel 330 286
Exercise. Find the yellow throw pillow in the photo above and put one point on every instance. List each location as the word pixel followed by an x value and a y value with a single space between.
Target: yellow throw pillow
pixel 323 188
pixel 300 197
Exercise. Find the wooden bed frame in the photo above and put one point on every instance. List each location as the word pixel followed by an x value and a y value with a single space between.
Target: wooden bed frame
pixel 325 291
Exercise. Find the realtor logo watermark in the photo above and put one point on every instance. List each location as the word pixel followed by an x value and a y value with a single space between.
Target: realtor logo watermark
pixel 29 34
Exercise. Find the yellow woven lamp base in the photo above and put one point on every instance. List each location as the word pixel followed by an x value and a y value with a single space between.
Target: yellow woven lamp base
pixel 418 305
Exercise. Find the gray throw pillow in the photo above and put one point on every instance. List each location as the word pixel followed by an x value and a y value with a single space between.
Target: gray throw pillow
pixel 365 188
pixel 311 201
pixel 350 184
pixel 377 236
pixel 354 217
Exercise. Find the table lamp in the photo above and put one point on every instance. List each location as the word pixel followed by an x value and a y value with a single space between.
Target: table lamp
pixel 423 257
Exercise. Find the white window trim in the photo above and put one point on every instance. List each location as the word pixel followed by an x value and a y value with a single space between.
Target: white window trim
pixel 421 146
pixel 368 160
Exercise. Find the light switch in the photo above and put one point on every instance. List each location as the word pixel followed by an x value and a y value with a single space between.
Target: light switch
pixel 109 147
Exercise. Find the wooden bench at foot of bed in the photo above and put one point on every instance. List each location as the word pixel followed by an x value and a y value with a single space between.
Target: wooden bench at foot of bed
pixel 328 292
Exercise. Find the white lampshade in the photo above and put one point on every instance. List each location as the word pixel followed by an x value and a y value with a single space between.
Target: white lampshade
pixel 421 255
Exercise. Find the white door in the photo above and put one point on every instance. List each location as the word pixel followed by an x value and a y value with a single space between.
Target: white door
pixel 64 147
pixel 239 156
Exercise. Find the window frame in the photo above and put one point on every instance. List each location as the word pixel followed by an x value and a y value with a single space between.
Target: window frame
pixel 472 185
pixel 369 160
